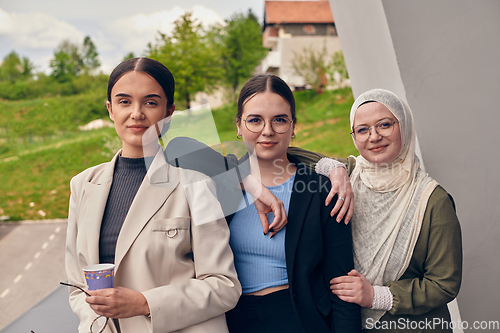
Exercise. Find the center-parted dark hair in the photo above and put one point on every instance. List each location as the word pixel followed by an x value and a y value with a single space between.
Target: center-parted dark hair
pixel 262 83
pixel 152 68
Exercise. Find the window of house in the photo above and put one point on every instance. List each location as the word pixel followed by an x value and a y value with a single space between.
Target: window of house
pixel 309 29
pixel 330 30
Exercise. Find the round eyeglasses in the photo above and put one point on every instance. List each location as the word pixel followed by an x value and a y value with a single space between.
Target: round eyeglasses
pixel 384 127
pixel 99 324
pixel 256 124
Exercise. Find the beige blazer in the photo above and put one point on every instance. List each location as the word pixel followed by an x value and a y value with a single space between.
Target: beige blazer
pixel 176 253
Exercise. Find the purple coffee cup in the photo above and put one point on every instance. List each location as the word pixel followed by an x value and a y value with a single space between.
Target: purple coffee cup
pixel 100 276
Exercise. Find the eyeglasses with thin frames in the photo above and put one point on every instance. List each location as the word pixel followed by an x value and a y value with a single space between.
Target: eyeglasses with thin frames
pixel 256 124
pixel 384 128
pixel 99 324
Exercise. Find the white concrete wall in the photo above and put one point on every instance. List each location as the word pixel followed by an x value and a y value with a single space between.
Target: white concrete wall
pixel 443 57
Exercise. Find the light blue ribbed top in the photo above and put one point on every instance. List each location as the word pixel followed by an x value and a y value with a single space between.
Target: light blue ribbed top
pixel 260 261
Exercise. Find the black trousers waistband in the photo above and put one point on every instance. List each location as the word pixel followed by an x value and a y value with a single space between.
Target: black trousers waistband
pixel 271 313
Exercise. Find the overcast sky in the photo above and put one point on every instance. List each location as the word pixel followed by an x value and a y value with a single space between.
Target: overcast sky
pixel 34 28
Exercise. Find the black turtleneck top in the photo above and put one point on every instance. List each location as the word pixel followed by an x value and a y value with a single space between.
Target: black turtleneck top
pixel 127 178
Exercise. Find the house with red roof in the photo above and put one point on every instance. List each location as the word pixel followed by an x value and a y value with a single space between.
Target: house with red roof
pixel 291 26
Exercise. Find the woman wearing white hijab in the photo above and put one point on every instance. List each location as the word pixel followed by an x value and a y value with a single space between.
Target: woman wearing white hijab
pixel 406 235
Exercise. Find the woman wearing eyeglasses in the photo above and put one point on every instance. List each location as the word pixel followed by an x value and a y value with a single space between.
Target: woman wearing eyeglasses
pixel 406 235
pixel 285 279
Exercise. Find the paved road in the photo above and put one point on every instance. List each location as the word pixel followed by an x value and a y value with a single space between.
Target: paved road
pixel 31 265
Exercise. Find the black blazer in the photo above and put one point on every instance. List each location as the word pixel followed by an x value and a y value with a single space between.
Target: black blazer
pixel 317 248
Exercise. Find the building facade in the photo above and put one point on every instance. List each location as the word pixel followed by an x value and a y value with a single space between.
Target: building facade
pixel 292 26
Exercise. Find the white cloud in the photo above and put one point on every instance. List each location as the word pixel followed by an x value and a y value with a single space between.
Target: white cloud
pixel 133 33
pixel 36 35
pixel 4 21
pixel 36 30
pixel 205 16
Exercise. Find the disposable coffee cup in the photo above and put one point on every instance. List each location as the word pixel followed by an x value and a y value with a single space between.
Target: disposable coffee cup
pixel 100 276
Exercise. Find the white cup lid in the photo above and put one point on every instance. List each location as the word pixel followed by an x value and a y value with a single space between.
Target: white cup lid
pixel 98 267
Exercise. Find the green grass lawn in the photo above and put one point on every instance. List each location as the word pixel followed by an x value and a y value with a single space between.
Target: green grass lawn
pixel 36 184
pixel 41 148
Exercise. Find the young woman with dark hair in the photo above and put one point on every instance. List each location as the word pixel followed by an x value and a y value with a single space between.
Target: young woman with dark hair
pixel 173 265
pixel 285 279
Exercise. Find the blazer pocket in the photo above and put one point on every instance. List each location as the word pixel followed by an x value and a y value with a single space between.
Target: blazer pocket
pixel 323 304
pixel 171 226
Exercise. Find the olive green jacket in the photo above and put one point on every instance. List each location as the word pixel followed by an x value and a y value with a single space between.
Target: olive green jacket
pixel 434 274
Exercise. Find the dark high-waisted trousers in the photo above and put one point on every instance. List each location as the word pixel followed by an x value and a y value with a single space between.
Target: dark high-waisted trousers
pixel 272 313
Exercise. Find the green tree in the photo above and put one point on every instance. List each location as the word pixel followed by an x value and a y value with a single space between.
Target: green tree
pixel 338 65
pixel 241 49
pixel 28 68
pixel 130 55
pixel 190 56
pixel 67 62
pixel 312 66
pixel 11 67
pixel 90 57
pixel 14 68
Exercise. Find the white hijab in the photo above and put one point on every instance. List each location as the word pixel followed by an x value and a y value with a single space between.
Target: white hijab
pixel 390 203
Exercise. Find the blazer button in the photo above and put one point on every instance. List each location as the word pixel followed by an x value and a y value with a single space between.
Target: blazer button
pixel 296 297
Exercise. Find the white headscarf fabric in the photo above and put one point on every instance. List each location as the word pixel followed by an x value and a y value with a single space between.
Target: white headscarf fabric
pixel 390 203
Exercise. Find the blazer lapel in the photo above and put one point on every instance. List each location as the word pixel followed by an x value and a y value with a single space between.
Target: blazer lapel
pixel 96 196
pixel 159 183
pixel 299 204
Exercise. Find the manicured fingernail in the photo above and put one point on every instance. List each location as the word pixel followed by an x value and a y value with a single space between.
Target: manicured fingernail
pixel 271 230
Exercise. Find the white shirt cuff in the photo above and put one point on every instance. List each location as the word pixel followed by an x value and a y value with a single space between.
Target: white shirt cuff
pixel 382 298
pixel 326 165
